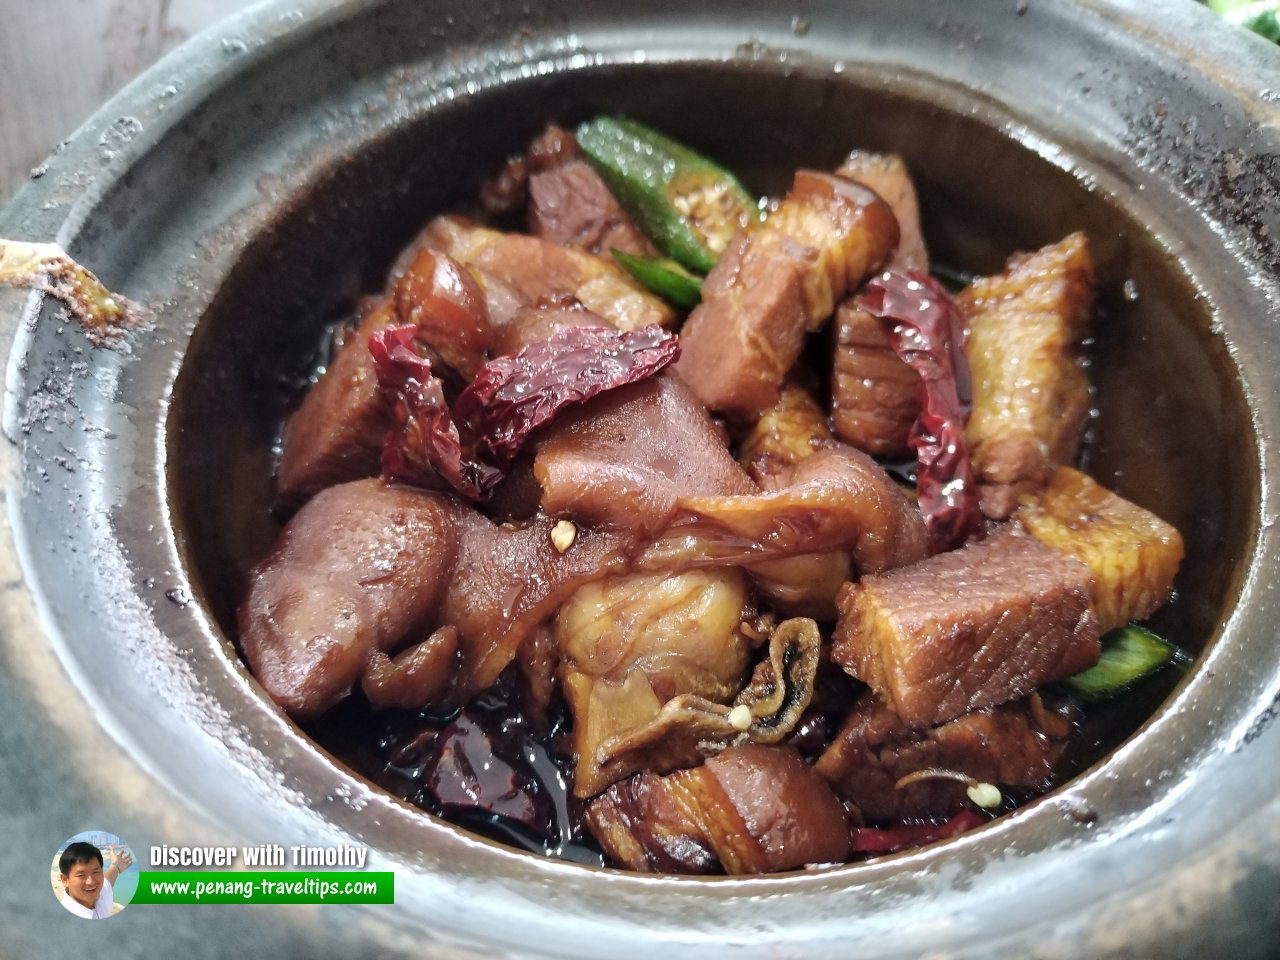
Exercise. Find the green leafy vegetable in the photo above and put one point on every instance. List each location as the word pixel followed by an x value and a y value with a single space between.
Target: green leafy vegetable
pixel 1128 654
pixel 687 205
pixel 664 277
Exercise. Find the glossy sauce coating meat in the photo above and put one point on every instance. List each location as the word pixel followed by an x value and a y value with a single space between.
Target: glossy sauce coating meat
pixel 497 582
pixel 634 643
pixel 794 429
pixel 536 269
pixel 364 566
pixel 887 176
pixel 873 392
pixel 360 568
pixel 791 430
pixel 874 395
pixel 837 498
pixel 625 460
pixel 337 433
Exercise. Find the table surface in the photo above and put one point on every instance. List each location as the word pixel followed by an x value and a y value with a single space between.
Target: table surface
pixel 62 59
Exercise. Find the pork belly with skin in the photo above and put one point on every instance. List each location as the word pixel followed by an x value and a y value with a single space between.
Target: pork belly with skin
pixel 750 809
pixel 776 282
pixel 791 430
pixel 1132 554
pixel 887 175
pixel 1030 392
pixel 1015 744
pixel 450 310
pixel 874 400
pixel 875 396
pixel 967 629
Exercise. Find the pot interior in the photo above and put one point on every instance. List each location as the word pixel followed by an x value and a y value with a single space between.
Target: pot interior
pixel 1172 432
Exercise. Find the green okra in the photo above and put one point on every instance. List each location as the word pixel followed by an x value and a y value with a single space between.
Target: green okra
pixel 1128 654
pixel 664 277
pixel 687 205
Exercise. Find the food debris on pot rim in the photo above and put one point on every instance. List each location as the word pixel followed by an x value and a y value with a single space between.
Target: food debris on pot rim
pixel 104 316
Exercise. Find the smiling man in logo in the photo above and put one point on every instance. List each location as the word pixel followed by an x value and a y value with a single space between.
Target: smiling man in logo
pixel 86 886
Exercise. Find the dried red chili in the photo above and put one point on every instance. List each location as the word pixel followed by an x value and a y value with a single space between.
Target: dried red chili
pixel 513 396
pixel 928 333
pixel 470 447
pixel 423 447
pixel 479 765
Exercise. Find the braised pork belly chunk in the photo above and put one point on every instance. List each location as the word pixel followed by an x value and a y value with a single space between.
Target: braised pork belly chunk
pixel 777 282
pixel 890 771
pixel 750 809
pixel 1030 392
pixel 691 531
pixel 1131 553
pixel 791 430
pixel 969 629
pixel 873 394
pixel 887 176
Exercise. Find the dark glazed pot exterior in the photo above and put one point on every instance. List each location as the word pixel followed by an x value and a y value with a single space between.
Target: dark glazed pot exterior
pixel 197 192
